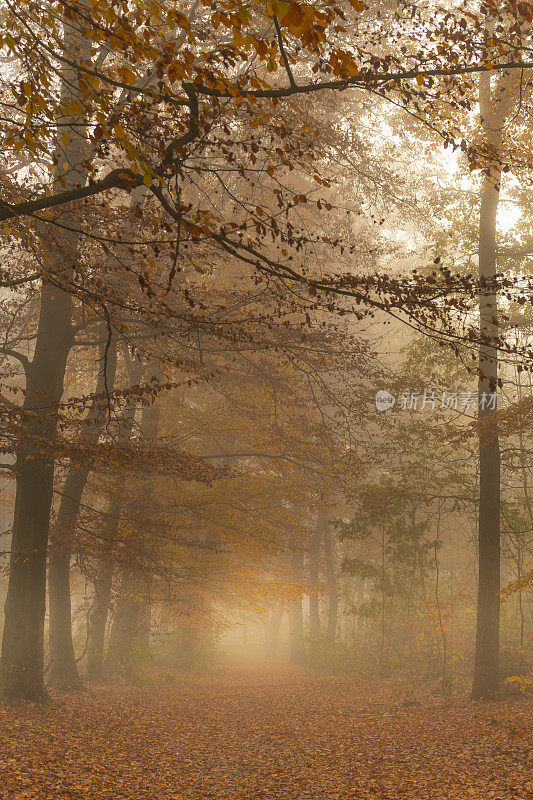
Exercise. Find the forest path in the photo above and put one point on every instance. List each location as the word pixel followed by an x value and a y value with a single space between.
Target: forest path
pixel 236 736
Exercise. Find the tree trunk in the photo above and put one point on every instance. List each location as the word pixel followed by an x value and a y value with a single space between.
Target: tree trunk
pixel 22 643
pixel 126 629
pixel 272 629
pixel 150 419
pixel 486 670
pixel 98 620
pixel 522 542
pixel 296 624
pixel 486 667
pixel 102 588
pixel 21 668
pixel 104 578
pixel 63 668
pixel 130 634
pixel 314 566
pixel 329 558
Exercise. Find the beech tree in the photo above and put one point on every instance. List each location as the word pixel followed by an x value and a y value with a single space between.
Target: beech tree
pixel 497 99
pixel 114 98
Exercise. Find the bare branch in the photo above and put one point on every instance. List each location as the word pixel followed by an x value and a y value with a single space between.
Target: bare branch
pixel 24 360
pixel 284 54
pixel 121 178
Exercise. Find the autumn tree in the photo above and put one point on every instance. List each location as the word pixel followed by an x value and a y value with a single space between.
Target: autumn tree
pixel 115 97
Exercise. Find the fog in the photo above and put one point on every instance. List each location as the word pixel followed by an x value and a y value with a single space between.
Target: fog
pixel 266 402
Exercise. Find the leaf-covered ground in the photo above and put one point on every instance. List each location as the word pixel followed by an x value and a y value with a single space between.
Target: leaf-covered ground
pixel 227 736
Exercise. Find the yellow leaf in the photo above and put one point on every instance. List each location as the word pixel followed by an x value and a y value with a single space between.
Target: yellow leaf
pixel 74 107
pixel 243 14
pixel 155 9
pixel 278 8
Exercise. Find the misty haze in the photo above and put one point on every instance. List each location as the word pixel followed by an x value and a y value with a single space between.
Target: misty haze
pixel 266 401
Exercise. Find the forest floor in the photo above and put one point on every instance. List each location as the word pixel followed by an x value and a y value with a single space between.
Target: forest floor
pixel 227 735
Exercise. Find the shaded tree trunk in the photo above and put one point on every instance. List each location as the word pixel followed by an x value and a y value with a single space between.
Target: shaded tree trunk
pixel 102 590
pixel 98 619
pixel 22 643
pixel 104 577
pixel 126 631
pixel 529 508
pixel 130 633
pixel 314 567
pixel 272 629
pixel 486 669
pixel 331 577
pixel 150 420
pixel 21 666
pixel 63 668
pixel 494 107
pixel 296 624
